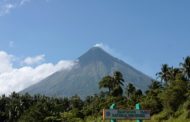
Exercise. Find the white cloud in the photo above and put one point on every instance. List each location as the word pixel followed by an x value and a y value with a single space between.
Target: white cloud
pixel 107 49
pixel 6 6
pixel 16 79
pixel 6 64
pixel 22 2
pixel 103 46
pixel 34 60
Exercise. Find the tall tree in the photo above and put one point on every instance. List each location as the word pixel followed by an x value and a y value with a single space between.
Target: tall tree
pixel 117 83
pixel 174 95
pixel 152 99
pixel 118 78
pixel 130 90
pixel 113 83
pixel 155 85
pixel 106 82
pixel 186 67
pixel 176 73
pixel 165 73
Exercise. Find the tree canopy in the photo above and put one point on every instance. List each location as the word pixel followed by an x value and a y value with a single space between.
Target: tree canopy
pixel 167 97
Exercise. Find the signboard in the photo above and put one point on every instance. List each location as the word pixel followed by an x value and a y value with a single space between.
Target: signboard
pixel 126 114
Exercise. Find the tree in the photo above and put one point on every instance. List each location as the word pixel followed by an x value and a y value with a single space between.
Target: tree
pixel 138 93
pixel 118 79
pixel 174 95
pixel 106 82
pixel 130 90
pixel 3 108
pixel 155 85
pixel 176 73
pixel 152 99
pixel 117 91
pixel 113 83
pixel 117 84
pixel 186 67
pixel 71 116
pixel 76 102
pixel 165 73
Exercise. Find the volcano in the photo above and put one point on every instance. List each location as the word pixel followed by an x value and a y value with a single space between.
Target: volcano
pixel 84 77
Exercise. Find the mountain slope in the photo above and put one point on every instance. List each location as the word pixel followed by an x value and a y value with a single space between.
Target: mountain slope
pixel 83 78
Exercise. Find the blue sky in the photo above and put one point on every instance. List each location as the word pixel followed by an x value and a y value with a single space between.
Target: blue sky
pixel 143 33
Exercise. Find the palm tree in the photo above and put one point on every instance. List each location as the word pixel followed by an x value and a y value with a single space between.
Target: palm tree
pixel 138 92
pixel 165 74
pixel 130 90
pixel 117 83
pixel 113 83
pixel 106 82
pixel 154 88
pixel 186 67
pixel 117 91
pixel 118 79
pixel 155 85
pixel 176 73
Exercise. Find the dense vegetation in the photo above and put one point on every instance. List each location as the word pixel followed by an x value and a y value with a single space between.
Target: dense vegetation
pixel 167 99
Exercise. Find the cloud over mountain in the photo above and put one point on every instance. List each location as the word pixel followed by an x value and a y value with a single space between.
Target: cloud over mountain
pixel 6 64
pixel 16 79
pixel 83 79
pixel 34 60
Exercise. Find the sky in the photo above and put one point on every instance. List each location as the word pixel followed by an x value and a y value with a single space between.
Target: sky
pixel 40 37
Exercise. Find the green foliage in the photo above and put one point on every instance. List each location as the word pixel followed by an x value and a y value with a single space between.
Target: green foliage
pixel 164 115
pixel 52 119
pixel 167 101
pixel 72 116
pixel 130 90
pixel 174 95
pixel 106 82
pixel 152 100
pixel 186 67
pixel 113 83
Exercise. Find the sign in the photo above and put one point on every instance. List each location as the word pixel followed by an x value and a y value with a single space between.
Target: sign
pixel 113 106
pixel 125 114
pixel 138 107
